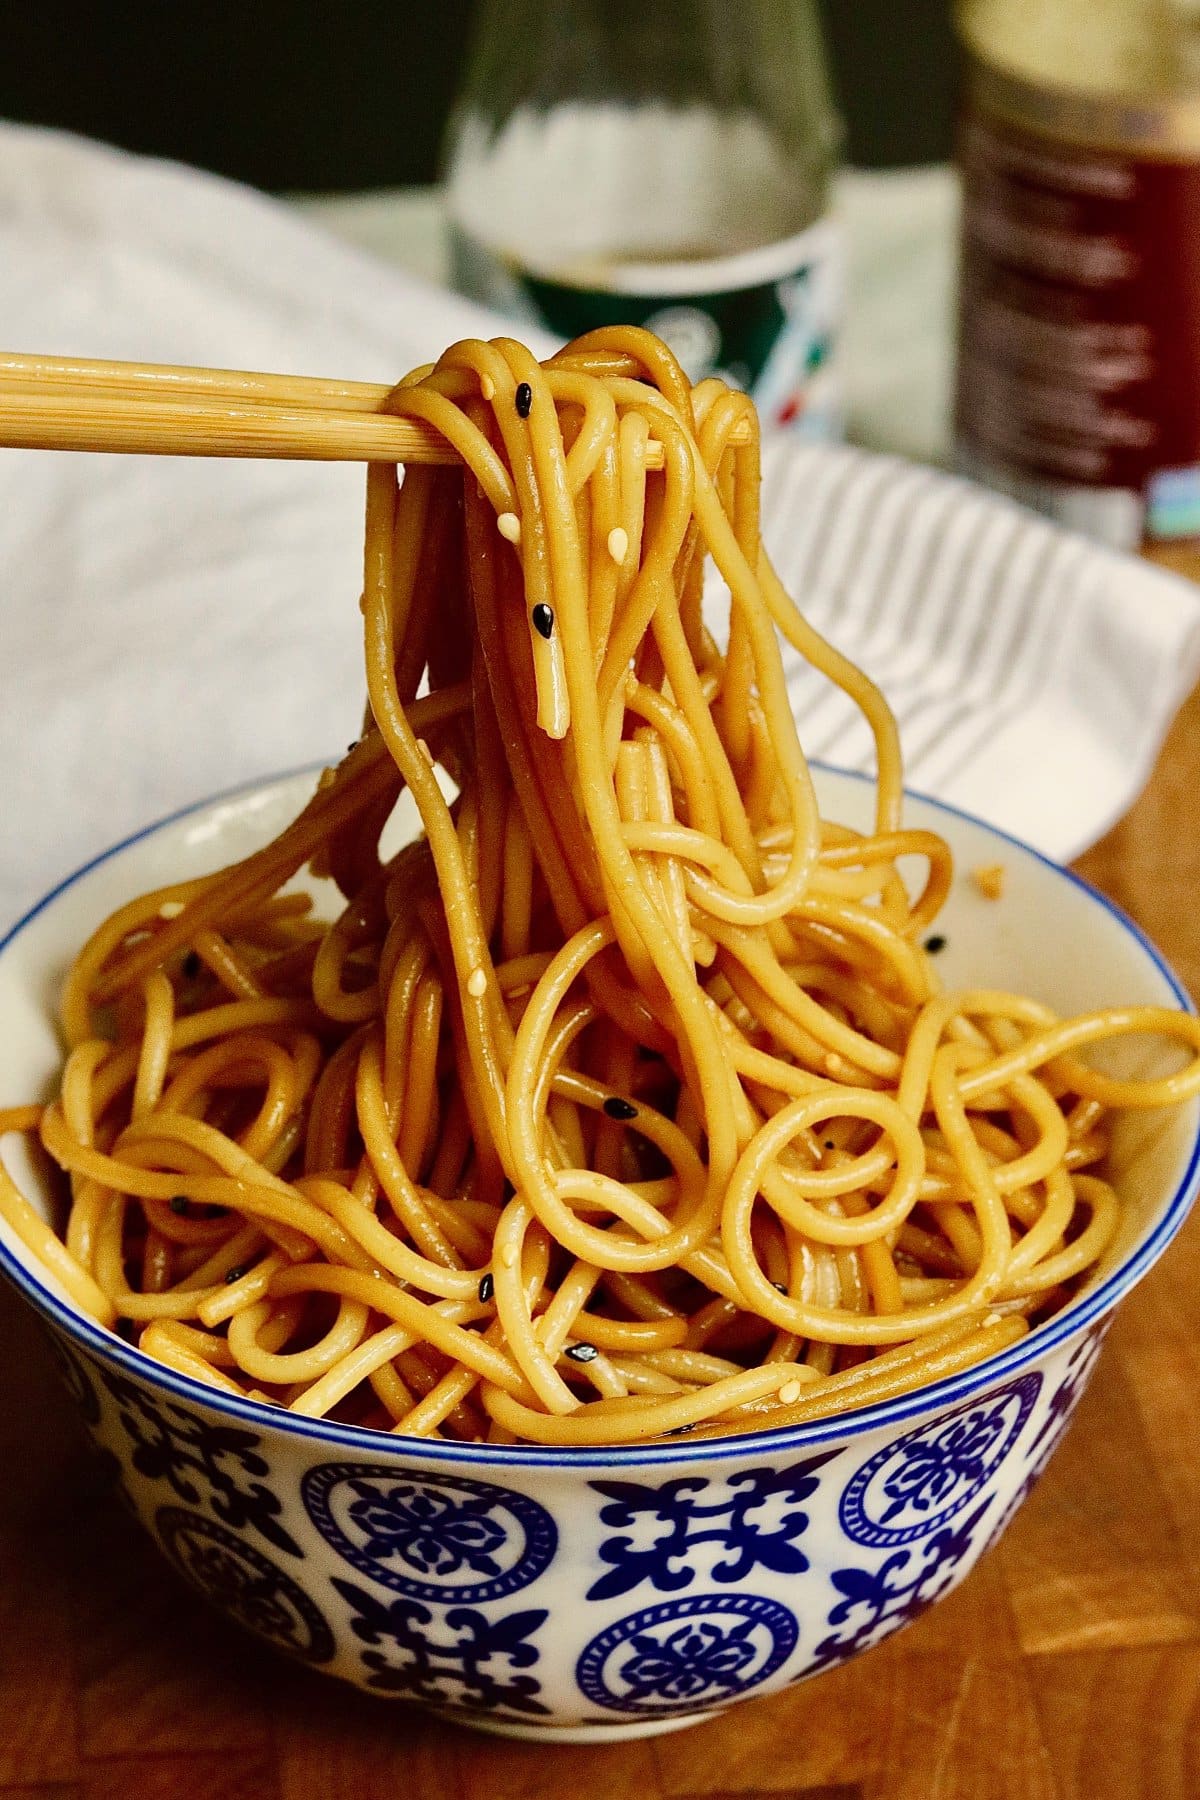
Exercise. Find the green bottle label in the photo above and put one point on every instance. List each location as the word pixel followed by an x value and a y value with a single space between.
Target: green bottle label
pixel 765 320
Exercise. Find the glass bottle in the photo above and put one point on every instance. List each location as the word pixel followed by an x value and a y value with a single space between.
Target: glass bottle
pixel 658 162
pixel 1078 386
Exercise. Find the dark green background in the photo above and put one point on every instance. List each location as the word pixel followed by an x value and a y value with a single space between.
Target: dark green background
pixel 337 94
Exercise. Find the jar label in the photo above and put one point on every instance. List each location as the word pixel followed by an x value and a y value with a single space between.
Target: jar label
pixel 1079 331
pixel 763 320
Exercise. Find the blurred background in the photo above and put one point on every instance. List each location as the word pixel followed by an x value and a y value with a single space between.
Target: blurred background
pixel 1028 313
pixel 305 95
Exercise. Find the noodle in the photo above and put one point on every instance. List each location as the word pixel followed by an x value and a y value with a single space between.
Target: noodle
pixel 625 1099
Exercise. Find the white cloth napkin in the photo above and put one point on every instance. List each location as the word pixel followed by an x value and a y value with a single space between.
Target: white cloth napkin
pixel 1034 673
pixel 169 629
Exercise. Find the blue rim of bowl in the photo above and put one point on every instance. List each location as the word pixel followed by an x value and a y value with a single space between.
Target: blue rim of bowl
pixel 840 1427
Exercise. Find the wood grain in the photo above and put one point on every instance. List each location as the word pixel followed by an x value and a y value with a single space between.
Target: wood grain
pixel 1066 1668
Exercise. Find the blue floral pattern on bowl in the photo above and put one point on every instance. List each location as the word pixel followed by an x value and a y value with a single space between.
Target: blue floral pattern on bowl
pixel 754 1518
pixel 1060 1410
pixel 877 1601
pixel 199 1458
pixel 463 1657
pixel 244 1583
pixel 687 1654
pixel 1064 1401
pixel 444 1539
pixel 910 1487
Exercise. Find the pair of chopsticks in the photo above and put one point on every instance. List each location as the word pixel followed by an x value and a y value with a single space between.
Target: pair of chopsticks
pixel 162 409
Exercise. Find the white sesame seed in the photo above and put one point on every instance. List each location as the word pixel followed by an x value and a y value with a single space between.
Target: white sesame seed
pixel 170 909
pixel 618 543
pixel 487 387
pixel 508 1256
pixel 477 984
pixel 509 526
pixel 790 1392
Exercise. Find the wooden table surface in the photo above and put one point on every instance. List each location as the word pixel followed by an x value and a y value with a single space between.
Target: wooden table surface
pixel 1067 1667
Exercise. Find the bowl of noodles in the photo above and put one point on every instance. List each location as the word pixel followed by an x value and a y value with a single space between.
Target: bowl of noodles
pixel 571 1216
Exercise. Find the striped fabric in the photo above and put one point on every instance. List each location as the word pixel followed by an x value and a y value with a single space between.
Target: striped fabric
pixel 1034 675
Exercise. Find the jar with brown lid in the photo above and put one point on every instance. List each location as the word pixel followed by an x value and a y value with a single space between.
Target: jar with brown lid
pixel 1078 386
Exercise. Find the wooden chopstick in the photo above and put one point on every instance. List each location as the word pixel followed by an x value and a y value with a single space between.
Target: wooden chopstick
pixel 192 427
pixel 178 381
pixel 168 409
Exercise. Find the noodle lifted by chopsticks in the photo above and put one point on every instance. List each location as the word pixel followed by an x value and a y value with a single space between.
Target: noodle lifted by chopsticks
pixel 624 1100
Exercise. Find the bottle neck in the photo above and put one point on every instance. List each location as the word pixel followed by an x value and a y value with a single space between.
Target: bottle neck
pixel 586 187
pixel 761 57
pixel 599 132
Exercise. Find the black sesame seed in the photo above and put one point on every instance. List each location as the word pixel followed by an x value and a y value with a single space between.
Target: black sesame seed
pixel 524 400
pixel 191 965
pixel 681 1431
pixel 780 1286
pixel 829 1144
pixel 487 1287
pixel 543 620
pixel 180 1204
pixel 234 1274
pixel 616 1108
pixel 935 943
pixel 581 1352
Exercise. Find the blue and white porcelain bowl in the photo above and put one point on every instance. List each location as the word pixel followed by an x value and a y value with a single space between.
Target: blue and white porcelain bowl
pixel 597 1595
